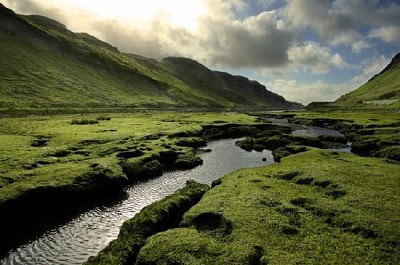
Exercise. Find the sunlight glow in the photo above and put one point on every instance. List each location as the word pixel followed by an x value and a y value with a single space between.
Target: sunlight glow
pixel 184 13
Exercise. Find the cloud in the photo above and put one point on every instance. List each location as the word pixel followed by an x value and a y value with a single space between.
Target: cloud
pixel 389 34
pixel 368 12
pixel 370 67
pixel 221 38
pixel 304 92
pixel 324 91
pixel 318 15
pixel 253 42
pixel 311 56
pixel 359 46
pixel 341 21
pixel 36 7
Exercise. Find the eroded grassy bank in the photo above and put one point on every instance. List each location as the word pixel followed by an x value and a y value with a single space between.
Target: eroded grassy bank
pixel 159 216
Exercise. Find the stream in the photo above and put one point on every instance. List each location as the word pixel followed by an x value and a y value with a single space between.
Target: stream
pixel 87 233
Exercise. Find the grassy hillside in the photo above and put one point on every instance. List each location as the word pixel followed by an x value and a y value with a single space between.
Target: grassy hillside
pixel 44 65
pixel 381 91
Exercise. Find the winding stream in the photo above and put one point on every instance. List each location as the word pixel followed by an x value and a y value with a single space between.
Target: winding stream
pixel 91 231
pixel 85 235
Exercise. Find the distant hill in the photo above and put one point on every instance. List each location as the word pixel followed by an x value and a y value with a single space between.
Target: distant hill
pixel 225 87
pixel 381 91
pixel 45 65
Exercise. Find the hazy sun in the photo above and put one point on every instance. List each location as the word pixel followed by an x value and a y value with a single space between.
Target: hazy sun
pixel 178 12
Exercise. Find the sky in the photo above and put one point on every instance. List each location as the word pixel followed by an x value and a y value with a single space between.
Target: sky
pixel 304 50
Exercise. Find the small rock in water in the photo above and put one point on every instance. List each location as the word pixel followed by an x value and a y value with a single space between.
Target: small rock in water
pixel 204 150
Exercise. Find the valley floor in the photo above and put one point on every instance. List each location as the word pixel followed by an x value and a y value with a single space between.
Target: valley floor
pixel 316 206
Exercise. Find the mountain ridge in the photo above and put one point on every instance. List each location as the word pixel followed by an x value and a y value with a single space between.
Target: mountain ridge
pixel 48 66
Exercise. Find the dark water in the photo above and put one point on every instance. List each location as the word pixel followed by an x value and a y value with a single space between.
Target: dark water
pixel 91 231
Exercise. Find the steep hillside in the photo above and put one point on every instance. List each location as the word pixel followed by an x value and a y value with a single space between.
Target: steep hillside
pixel 237 90
pixel 381 91
pixel 44 65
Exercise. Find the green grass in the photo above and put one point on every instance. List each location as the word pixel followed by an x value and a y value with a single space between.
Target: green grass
pixel 316 207
pixel 312 207
pixel 70 151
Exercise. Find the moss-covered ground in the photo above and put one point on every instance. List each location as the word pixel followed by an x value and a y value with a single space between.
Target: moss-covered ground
pixel 55 151
pixel 317 207
pixel 313 207
pixel 51 162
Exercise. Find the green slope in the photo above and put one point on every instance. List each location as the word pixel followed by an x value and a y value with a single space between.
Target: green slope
pixel 381 91
pixel 44 65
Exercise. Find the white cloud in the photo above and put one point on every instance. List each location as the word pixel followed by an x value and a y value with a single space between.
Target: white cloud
pixel 337 60
pixel 359 46
pixel 324 91
pixel 311 56
pixel 306 92
pixel 387 33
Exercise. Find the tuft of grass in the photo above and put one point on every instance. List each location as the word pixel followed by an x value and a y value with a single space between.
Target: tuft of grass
pixel 103 118
pixel 84 122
